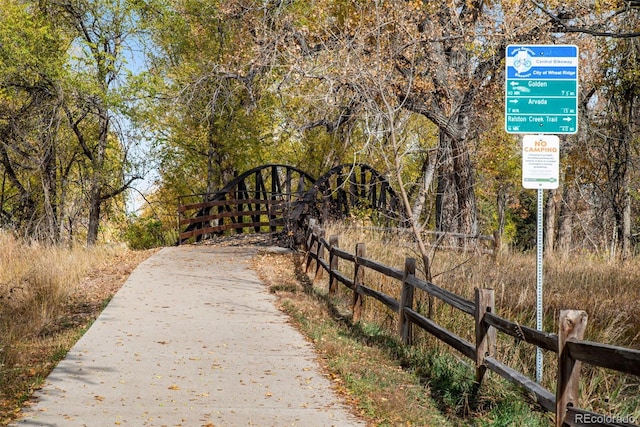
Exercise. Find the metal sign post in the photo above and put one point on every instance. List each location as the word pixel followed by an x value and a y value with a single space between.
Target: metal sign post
pixel 539 262
pixel 540 170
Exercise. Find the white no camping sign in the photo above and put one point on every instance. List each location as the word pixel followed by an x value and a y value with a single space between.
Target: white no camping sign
pixel 540 161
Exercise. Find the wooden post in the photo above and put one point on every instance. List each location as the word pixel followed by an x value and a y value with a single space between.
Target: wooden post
pixel 319 256
pixel 358 279
pixel 485 334
pixel 307 261
pixel 312 223
pixel 309 243
pixel 240 217
pixel 406 300
pixel 313 246
pixel 333 266
pixel 572 326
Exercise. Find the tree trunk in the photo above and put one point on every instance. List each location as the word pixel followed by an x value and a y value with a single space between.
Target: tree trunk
pixel 50 190
pixel 428 171
pixel 98 164
pixel 565 226
pixel 626 223
pixel 94 217
pixel 464 176
pixel 445 192
pixel 501 202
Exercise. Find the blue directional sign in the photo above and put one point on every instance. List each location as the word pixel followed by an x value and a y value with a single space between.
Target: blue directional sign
pixel 541 91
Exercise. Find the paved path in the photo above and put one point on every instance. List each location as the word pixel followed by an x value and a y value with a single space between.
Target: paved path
pixel 192 339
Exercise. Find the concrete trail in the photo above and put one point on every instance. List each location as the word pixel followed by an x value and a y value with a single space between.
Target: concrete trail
pixel 193 338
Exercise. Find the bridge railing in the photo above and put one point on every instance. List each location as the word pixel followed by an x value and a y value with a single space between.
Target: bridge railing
pixel 200 219
pixel 568 344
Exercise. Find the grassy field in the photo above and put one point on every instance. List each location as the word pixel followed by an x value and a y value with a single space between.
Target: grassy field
pixel 48 297
pixel 608 291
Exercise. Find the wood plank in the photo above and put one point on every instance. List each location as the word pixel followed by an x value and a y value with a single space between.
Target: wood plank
pixel 343 279
pixel 390 302
pixel 323 242
pixel 543 396
pixel 620 359
pixel 545 340
pixel 449 297
pixel 448 337
pixel 220 228
pixel 196 206
pixel 342 254
pixel 381 268
pixel 194 233
pixel 324 264
pixel 213 217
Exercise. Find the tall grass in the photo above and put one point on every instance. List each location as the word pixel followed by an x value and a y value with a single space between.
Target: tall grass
pixel 609 292
pixel 36 283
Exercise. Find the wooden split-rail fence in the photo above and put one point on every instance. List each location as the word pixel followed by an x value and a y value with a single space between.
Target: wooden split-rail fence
pixel 568 343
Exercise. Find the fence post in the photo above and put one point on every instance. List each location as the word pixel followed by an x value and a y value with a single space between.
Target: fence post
pixel 319 255
pixel 358 279
pixel 572 326
pixel 485 334
pixel 406 300
pixel 309 243
pixel 333 265
pixel 315 231
pixel 309 231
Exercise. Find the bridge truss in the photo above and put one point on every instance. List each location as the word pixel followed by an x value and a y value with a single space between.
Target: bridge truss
pixel 281 197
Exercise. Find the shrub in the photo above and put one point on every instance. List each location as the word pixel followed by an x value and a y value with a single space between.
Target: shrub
pixel 145 233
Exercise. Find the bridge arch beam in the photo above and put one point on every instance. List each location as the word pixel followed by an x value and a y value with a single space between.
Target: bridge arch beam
pixel 276 195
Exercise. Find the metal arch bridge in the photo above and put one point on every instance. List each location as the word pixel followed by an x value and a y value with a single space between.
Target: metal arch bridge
pixel 281 197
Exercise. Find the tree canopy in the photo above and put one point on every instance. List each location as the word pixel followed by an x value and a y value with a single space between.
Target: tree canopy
pixel 415 88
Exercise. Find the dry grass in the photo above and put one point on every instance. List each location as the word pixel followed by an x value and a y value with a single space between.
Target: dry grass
pixel 48 297
pixel 35 281
pixel 373 383
pixel 608 291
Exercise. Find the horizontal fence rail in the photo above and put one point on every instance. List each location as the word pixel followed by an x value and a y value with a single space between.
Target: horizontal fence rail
pixel 219 216
pixel 568 344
